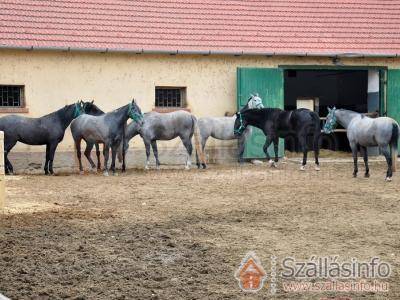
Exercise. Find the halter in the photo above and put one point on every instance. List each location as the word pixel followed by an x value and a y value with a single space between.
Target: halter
pixel 241 127
pixel 331 124
pixel 133 114
pixel 77 110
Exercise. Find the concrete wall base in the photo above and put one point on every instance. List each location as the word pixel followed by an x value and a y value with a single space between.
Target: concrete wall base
pixel 66 161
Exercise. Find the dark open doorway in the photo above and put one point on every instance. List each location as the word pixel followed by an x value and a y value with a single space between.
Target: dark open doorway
pixel 321 89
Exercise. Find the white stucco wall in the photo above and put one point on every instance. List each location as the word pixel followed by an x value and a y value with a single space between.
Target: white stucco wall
pixel 53 79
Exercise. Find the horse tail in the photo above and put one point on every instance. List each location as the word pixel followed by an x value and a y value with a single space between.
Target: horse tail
pixel 196 134
pixel 393 145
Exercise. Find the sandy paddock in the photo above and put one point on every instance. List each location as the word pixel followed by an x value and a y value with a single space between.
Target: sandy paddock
pixel 173 234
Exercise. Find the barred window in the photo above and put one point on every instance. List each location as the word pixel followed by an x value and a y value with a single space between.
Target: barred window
pixel 170 97
pixel 11 96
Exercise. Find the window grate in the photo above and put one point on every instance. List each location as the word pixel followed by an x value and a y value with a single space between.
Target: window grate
pixel 170 97
pixel 11 96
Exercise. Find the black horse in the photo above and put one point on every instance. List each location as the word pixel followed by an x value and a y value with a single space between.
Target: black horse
pixel 277 123
pixel 47 130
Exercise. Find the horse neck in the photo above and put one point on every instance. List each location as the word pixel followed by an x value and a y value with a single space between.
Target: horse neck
pixel 344 117
pixel 65 115
pixel 131 130
pixel 97 112
pixel 255 118
pixel 121 114
pixel 246 107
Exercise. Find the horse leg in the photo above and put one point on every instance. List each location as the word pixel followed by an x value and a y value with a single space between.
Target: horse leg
pixel 189 148
pixel 386 152
pixel 52 152
pixel 241 146
pixel 268 142
pixel 46 163
pixel 354 151
pixel 8 145
pixel 364 152
pixel 317 135
pixel 276 146
pixel 147 146
pixel 7 164
pixel 106 153
pixel 203 146
pixel 123 169
pixel 79 154
pixel 89 147
pixel 98 156
pixel 114 149
pixel 303 146
pixel 155 152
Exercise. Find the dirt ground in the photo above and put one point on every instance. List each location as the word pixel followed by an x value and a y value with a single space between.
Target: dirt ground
pixel 175 234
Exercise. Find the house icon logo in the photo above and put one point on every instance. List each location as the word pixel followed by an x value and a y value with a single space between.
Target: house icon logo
pixel 251 275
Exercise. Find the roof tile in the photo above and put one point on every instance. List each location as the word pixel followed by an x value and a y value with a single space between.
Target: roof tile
pixel 234 26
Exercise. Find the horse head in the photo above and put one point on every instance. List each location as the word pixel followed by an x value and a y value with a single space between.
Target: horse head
pixel 91 109
pixel 331 121
pixel 255 101
pixel 135 113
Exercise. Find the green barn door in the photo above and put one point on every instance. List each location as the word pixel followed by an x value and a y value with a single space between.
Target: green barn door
pixel 393 94
pixel 268 83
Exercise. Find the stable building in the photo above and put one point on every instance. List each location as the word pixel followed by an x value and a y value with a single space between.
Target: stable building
pixel 205 57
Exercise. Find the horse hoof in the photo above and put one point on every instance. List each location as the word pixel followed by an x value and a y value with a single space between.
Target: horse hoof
pixel 317 168
pixel 302 168
pixel 115 174
pixel 146 168
pixel 158 167
pixel 388 179
pixel 81 173
pixel 187 168
pixel 204 166
pixel 366 175
pixel 271 162
pixel 354 175
pixel 105 173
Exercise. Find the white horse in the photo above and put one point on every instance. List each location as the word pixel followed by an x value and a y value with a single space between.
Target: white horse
pixel 165 127
pixel 365 132
pixel 221 128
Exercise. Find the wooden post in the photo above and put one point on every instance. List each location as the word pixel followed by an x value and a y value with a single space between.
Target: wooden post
pixel 2 177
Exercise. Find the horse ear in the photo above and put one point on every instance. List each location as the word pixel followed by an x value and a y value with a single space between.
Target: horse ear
pixel 334 108
pixel 92 101
pixel 257 95
pixel 329 110
pixel 251 95
pixel 133 100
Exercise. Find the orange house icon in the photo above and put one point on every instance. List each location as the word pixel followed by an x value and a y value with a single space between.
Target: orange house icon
pixel 251 275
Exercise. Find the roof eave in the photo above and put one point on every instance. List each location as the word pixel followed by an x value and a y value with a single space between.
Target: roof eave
pixel 201 52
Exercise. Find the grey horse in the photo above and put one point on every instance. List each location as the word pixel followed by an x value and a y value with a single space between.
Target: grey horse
pixel 91 109
pixel 108 129
pixel 221 128
pixel 166 126
pixel 47 130
pixel 364 132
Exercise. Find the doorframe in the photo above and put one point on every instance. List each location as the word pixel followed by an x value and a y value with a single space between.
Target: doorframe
pixel 382 78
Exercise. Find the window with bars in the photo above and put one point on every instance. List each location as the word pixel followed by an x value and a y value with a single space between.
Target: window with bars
pixel 11 96
pixel 170 97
